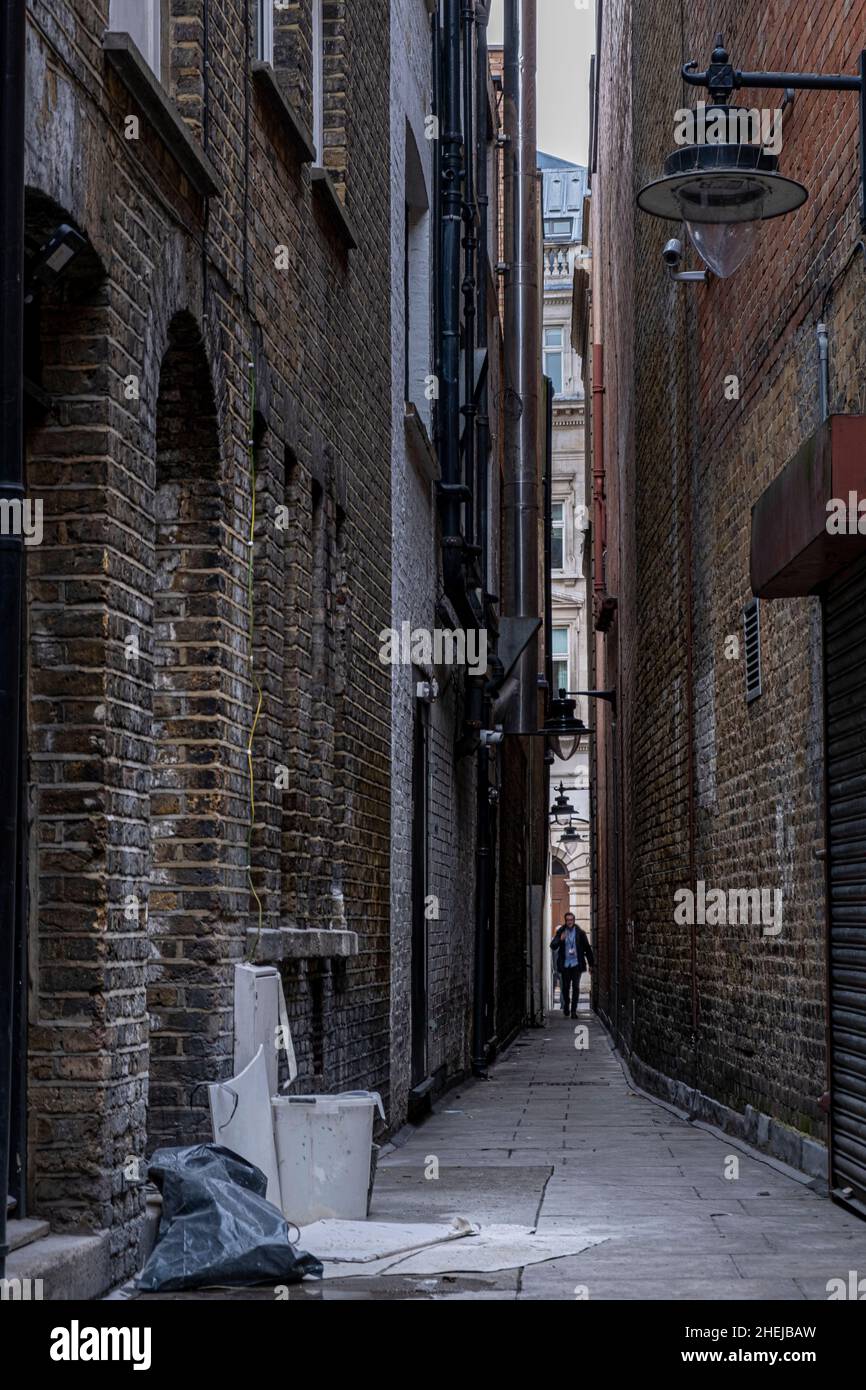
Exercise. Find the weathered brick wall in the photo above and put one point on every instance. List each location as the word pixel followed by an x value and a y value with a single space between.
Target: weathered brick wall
pixel 141 689
pixel 414 562
pixel 681 523
pixel 417 594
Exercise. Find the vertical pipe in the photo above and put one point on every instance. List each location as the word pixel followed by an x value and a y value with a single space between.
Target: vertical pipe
pixel 436 107
pixel 470 246
pixel 823 372
pixel 482 419
pixel 522 347
pixel 862 96
pixel 451 139
pixel 548 540
pixel 598 391
pixel 12 83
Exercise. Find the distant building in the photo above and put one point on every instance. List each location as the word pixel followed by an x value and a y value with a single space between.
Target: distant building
pixel 564 189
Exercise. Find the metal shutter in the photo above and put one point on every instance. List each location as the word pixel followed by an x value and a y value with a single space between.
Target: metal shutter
pixel 845 639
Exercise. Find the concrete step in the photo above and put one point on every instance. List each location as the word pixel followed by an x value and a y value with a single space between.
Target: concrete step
pixel 70 1267
pixel 21 1233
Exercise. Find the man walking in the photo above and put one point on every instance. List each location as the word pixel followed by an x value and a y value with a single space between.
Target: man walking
pixel 571 955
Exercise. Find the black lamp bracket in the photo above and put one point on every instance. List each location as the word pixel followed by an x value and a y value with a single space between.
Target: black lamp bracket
pixel 608 695
pixel 721 80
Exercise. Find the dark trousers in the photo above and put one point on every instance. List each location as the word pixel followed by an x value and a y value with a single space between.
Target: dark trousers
pixel 570 986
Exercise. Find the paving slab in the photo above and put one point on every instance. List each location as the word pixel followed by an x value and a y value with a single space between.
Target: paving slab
pixel 560 1137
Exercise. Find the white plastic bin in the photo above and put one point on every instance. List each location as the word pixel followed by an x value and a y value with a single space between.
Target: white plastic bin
pixel 324 1148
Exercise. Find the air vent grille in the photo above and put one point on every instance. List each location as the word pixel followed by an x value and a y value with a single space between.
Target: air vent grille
pixel 752 632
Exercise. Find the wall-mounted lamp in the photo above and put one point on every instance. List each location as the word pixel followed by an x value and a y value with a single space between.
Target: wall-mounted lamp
pixel 724 191
pixel 50 261
pixel 609 696
pixel 564 732
pixel 561 806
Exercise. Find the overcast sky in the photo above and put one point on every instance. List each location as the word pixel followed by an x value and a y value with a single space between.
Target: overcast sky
pixel 566 40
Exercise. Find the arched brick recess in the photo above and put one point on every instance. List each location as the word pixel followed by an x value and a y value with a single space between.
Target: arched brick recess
pixel 198 658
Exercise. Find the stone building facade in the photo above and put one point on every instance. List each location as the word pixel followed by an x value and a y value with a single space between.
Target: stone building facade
pixel 701 397
pixel 208 717
pixel 563 192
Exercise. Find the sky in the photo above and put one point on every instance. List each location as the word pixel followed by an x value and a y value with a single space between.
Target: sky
pixel 566 40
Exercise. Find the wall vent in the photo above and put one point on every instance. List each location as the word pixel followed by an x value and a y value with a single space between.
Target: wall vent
pixel 752 632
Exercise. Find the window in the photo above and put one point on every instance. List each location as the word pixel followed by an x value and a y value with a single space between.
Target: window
pixel 416 277
pixel 560 660
pixel 265 31
pixel 558 535
pixel 146 25
pixel 553 345
pixel 556 227
pixel 318 47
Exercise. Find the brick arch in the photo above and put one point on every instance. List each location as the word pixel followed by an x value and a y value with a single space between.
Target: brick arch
pixel 83 1118
pixel 198 658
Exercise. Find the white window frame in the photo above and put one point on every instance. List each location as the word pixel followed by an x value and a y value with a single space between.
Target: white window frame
pixel 318 51
pixel 557 658
pixel 265 31
pixel 555 350
pixel 559 526
pixel 142 20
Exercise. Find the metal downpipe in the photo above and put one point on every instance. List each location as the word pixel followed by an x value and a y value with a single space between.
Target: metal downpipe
pixel 522 349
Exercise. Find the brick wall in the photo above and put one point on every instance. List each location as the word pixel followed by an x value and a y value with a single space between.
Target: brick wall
pixel 142 691
pixel 739 1016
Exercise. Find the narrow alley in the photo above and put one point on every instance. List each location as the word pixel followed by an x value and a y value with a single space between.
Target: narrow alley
pixel 559 1139
pixel 432 670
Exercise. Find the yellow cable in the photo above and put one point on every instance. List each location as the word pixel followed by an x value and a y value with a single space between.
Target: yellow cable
pixel 251 955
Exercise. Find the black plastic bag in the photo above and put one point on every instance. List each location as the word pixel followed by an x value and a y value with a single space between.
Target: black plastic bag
pixel 217 1227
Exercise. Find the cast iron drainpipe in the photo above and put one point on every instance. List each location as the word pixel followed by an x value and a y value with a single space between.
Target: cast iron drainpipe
pixel 548 541
pixel 451 209
pixel 12 67
pixel 470 270
pixel 482 197
pixel 598 394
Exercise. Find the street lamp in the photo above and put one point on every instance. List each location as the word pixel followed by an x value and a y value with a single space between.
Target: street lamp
pixel 724 191
pixel 52 258
pixel 564 732
pixel 561 806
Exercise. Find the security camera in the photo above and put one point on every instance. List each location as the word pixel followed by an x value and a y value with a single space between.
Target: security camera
pixel 672 256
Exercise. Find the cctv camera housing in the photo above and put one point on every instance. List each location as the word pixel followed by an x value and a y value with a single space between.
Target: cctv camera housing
pixel 673 252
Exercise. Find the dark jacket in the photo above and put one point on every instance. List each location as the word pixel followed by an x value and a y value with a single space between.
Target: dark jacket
pixel 584 950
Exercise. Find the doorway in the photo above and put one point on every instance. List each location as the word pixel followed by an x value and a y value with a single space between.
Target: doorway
pixel 845 658
pixel 420 757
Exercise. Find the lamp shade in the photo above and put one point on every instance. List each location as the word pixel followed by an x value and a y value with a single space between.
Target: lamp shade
pixel 721 183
